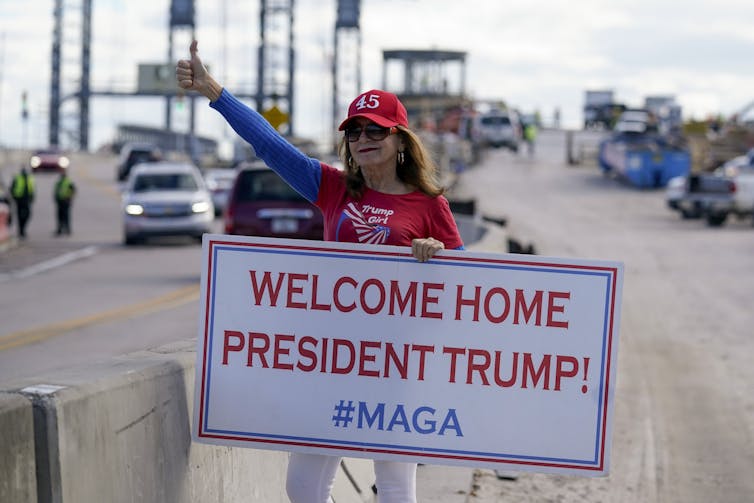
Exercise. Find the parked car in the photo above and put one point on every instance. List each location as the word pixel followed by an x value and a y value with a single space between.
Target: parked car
pixel 134 153
pixel 166 199
pixel 729 190
pixel 220 183
pixel 500 128
pixel 263 204
pixel 49 159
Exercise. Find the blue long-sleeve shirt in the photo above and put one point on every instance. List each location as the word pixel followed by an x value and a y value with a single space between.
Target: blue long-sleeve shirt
pixel 301 172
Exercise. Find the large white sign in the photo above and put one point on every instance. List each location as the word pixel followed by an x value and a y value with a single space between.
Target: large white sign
pixel 474 359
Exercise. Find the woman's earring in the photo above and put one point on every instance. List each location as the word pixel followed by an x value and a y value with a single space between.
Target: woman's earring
pixel 401 158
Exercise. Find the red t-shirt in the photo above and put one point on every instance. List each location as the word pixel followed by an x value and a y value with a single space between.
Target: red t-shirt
pixel 379 218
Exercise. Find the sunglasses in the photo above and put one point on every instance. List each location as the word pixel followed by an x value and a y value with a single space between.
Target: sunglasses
pixel 373 132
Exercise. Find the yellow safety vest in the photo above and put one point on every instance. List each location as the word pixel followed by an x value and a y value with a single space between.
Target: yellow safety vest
pixel 530 132
pixel 22 186
pixel 64 189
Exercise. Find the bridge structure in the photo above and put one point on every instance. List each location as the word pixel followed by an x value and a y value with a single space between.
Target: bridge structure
pixel 429 82
pixel 70 83
pixel 426 81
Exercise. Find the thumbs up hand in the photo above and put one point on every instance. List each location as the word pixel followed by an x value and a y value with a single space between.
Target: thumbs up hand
pixel 192 75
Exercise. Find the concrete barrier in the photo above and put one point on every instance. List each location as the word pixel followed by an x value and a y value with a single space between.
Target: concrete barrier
pixel 119 431
pixel 17 460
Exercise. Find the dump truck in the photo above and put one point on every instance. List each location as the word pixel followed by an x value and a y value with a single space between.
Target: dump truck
pixel 637 153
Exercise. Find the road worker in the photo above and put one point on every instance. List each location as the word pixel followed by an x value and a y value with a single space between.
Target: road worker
pixel 22 191
pixel 65 190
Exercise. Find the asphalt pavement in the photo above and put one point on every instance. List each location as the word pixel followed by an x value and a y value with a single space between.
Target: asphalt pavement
pixel 42 249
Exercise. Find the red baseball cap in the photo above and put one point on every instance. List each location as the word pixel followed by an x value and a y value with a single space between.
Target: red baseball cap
pixel 380 107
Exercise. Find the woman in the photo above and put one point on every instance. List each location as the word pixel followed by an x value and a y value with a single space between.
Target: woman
pixel 387 195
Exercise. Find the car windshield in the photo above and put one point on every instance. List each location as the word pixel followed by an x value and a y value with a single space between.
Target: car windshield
pixel 139 156
pixel 265 186
pixel 496 120
pixel 170 181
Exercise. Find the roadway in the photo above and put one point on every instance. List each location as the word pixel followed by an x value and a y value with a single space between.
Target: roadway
pixel 69 300
pixel 684 411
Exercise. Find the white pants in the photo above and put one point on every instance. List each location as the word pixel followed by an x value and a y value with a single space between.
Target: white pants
pixel 311 476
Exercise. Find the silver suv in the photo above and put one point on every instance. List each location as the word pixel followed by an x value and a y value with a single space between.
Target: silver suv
pixel 166 199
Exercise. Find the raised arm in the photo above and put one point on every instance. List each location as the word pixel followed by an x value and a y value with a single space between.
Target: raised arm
pixel 301 172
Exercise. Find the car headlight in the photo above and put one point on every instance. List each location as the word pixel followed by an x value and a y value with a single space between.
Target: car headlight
pixel 134 209
pixel 35 161
pixel 200 207
pixel 64 162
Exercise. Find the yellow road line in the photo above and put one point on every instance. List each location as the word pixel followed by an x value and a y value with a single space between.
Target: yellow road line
pixel 167 301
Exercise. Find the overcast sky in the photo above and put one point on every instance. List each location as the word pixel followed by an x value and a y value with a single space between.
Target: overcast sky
pixel 534 55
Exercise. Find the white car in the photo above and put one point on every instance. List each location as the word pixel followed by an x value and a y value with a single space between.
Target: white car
pixel 220 182
pixel 500 128
pixel 166 199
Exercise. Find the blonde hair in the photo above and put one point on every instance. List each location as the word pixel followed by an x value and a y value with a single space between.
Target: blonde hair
pixel 417 169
